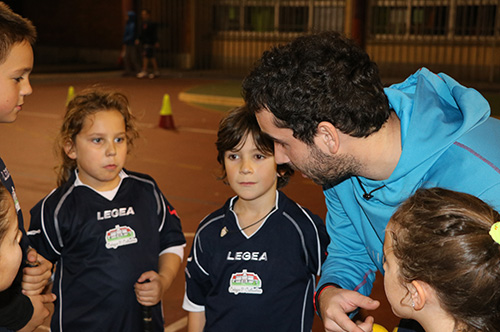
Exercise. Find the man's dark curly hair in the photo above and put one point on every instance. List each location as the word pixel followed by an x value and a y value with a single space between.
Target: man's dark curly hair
pixel 315 78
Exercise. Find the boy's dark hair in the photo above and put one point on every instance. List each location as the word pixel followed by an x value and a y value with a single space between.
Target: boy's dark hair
pixel 441 237
pixel 13 29
pixel 235 128
pixel 315 78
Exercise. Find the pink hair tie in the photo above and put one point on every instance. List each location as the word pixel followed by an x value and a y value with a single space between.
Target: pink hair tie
pixel 495 232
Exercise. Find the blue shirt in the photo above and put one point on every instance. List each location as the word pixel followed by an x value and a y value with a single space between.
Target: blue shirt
pixel 448 140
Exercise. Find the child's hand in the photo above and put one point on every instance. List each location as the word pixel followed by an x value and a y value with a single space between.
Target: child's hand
pixel 149 293
pixel 36 277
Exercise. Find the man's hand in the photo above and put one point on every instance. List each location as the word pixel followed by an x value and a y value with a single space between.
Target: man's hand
pixel 336 303
pixel 40 313
pixel 36 277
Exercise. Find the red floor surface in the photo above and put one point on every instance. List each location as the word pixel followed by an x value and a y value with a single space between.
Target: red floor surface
pixel 182 161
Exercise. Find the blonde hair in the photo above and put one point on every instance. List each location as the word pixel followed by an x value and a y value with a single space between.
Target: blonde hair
pixel 84 104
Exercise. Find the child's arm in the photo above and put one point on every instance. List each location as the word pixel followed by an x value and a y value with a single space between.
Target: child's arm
pixel 150 293
pixel 196 321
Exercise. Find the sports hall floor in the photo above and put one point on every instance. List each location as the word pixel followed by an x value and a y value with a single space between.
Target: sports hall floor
pixel 182 161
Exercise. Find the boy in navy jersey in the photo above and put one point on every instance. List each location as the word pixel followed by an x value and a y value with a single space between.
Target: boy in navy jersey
pixel 254 261
pixel 110 230
pixel 19 311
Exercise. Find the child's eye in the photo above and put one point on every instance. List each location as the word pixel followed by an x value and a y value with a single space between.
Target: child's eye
pixel 232 156
pixel 97 140
pixel 120 139
pixel 260 157
pixel 18 79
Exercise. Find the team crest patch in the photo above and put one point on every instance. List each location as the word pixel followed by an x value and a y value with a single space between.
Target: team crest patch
pixel 245 282
pixel 120 236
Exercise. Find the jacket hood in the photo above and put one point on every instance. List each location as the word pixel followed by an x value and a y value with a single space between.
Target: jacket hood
pixel 434 110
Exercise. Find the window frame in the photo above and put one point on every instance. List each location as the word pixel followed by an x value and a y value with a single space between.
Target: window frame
pixel 449 33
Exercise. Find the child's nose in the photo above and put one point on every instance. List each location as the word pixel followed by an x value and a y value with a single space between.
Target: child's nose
pixel 246 167
pixel 26 88
pixel 111 149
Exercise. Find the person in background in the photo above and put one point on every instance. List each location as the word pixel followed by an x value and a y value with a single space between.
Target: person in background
pixel 129 48
pixel 442 262
pixel 148 40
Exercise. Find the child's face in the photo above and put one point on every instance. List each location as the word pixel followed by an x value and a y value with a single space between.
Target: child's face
pixel 250 173
pixel 396 293
pixel 14 80
pixel 100 149
pixel 10 251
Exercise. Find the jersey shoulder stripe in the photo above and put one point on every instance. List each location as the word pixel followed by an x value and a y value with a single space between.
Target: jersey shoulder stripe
pixel 197 243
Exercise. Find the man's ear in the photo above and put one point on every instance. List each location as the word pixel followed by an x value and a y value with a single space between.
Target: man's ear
pixel 69 149
pixel 418 291
pixel 328 137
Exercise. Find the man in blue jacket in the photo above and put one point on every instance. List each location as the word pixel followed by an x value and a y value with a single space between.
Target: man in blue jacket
pixel 322 101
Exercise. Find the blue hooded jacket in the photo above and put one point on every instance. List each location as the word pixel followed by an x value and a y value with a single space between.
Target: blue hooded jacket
pixel 129 34
pixel 448 140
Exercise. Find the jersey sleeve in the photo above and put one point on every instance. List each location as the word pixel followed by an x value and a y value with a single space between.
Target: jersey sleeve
pixel 44 233
pixel 197 274
pixel 316 241
pixel 348 263
pixel 170 228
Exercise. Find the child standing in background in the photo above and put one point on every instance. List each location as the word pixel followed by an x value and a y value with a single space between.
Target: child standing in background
pixel 18 310
pixel 442 268
pixel 110 230
pixel 148 39
pixel 253 262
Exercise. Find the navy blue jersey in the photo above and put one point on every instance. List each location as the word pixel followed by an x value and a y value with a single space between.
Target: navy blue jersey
pixel 148 34
pixel 15 308
pixel 263 282
pixel 101 247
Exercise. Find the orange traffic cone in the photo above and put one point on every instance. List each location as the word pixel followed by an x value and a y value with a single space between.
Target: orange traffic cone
pixel 166 118
pixel 71 94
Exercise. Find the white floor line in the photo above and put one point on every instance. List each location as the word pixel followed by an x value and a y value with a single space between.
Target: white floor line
pixel 176 326
pixel 141 124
